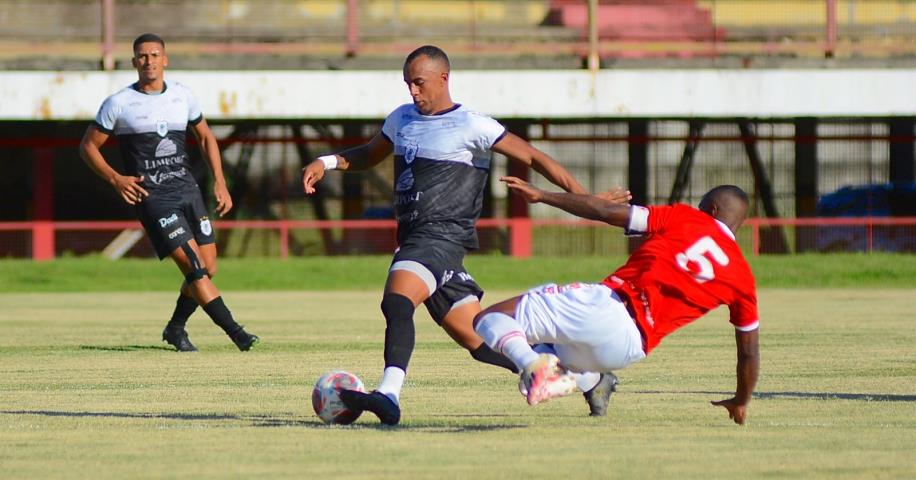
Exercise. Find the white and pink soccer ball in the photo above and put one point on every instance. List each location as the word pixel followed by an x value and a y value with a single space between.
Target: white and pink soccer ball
pixel 326 397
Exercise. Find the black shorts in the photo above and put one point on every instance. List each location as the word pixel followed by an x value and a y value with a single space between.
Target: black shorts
pixel 174 218
pixel 441 266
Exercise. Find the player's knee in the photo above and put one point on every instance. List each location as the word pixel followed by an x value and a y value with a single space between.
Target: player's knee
pixel 196 269
pixel 195 274
pixel 211 270
pixel 397 307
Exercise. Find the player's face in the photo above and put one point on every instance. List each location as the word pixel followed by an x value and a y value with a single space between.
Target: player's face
pixel 427 83
pixel 150 60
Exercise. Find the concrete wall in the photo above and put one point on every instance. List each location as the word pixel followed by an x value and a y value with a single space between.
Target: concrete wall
pixel 234 95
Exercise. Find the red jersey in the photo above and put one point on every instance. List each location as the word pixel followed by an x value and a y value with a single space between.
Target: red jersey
pixel 689 265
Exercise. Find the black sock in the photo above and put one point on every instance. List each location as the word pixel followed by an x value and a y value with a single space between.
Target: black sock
pixel 485 354
pixel 399 332
pixel 221 316
pixel 184 307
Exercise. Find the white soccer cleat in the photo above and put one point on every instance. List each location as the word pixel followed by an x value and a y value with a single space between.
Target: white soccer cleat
pixel 557 389
pixel 544 379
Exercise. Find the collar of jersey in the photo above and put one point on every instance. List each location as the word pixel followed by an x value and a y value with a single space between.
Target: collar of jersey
pixel 441 112
pixel 134 87
pixel 725 229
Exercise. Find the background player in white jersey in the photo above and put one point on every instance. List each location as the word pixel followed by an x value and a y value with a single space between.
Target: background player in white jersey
pixel 689 265
pixel 442 161
pixel 150 119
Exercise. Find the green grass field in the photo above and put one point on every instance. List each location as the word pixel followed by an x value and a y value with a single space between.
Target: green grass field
pixel 88 391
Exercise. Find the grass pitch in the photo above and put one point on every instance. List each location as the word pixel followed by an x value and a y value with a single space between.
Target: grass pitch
pixel 88 391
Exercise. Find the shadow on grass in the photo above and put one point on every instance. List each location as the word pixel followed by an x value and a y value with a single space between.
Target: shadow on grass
pixel 125 348
pixel 865 397
pixel 270 421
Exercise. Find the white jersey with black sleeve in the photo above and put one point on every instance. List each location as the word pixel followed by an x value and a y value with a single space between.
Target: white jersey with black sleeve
pixel 151 130
pixel 441 166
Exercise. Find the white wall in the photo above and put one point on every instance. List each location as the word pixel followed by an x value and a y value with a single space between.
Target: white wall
pixel 503 94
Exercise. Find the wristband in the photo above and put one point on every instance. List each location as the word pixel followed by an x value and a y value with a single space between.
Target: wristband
pixel 329 161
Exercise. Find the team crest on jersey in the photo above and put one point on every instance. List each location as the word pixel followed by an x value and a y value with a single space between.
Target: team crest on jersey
pixel 410 153
pixel 405 181
pixel 205 226
pixel 162 127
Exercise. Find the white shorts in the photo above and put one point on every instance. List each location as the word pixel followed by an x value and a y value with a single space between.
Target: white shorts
pixel 587 323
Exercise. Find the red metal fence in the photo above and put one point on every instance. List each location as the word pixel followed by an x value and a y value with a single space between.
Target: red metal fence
pixel 518 237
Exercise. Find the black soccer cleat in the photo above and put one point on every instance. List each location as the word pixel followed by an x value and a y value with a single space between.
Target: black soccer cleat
pixel 600 395
pixel 376 402
pixel 178 338
pixel 244 340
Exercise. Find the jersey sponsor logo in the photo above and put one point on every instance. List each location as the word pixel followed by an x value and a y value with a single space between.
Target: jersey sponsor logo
pixel 162 127
pixel 165 222
pixel 205 226
pixel 405 181
pixel 465 277
pixel 159 177
pixel 405 198
pixel 178 231
pixel 410 152
pixel 408 217
pixel 161 162
pixel 446 276
pixel 165 148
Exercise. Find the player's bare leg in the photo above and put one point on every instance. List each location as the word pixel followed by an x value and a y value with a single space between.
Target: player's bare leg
pixel 459 324
pixel 188 257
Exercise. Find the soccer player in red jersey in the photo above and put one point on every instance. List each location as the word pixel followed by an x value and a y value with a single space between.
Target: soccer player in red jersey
pixel 689 264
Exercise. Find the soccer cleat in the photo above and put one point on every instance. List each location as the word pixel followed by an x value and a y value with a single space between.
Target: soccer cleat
pixel 376 402
pixel 244 340
pixel 544 379
pixel 178 338
pixel 600 395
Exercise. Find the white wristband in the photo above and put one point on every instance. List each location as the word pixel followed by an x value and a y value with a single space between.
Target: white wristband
pixel 329 161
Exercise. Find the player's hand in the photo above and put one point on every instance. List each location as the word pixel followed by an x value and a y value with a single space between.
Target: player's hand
pixel 223 199
pixel 311 175
pixel 129 188
pixel 736 411
pixel 617 195
pixel 530 193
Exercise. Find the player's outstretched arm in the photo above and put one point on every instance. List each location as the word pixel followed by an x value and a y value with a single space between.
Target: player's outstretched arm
pixel 128 187
pixel 362 157
pixel 747 370
pixel 210 149
pixel 592 207
pixel 519 150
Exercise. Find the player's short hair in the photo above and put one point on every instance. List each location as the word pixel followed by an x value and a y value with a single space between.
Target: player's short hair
pixel 148 38
pixel 731 190
pixel 723 193
pixel 432 52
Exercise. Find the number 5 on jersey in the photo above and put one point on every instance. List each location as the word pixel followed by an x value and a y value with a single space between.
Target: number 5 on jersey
pixel 696 262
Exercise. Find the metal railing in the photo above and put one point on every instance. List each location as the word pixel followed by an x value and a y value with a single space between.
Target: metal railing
pixel 518 237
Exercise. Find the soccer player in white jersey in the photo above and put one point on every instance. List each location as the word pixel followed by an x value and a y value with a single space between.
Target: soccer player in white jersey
pixel 150 119
pixel 442 153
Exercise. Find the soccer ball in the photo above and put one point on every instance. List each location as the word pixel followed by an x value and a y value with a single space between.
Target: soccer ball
pixel 326 397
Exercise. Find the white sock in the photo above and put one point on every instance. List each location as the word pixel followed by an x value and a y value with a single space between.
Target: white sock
pixel 586 380
pixel 391 384
pixel 503 334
